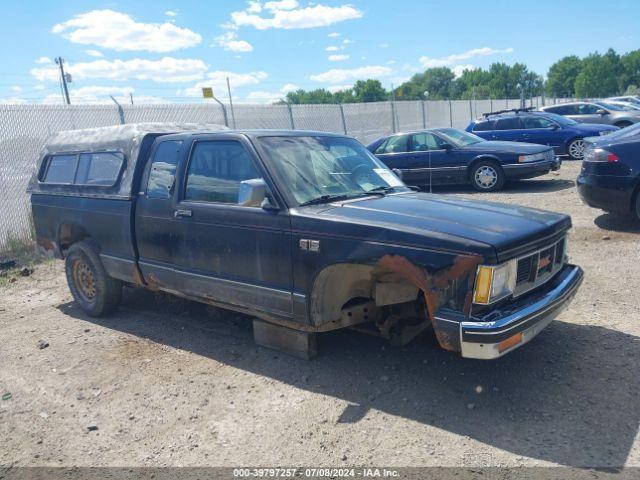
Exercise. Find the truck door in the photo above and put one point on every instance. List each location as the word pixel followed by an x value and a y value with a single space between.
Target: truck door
pixel 227 252
pixel 156 228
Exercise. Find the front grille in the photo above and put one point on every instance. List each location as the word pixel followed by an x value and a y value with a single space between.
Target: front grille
pixel 536 268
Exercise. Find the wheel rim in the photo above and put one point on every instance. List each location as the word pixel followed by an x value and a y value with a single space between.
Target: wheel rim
pixel 486 176
pixel 84 279
pixel 576 149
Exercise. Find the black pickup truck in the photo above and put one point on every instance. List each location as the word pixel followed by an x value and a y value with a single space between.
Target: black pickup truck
pixel 304 231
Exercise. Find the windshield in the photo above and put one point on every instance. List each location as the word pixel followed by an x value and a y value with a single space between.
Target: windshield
pixel 627 132
pixel 458 137
pixel 564 121
pixel 609 106
pixel 323 169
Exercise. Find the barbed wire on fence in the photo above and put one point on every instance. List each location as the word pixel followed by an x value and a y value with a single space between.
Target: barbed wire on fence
pixel 24 130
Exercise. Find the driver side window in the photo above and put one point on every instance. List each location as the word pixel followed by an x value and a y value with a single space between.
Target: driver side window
pixel 587 109
pixel 536 122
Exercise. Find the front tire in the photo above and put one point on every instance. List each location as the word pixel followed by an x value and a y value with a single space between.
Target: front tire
pixel 487 176
pixel 92 288
pixel 576 149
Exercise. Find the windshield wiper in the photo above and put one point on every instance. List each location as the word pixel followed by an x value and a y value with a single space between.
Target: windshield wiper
pixel 381 190
pixel 324 199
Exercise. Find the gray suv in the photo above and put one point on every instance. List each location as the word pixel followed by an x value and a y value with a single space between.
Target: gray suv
pixel 595 112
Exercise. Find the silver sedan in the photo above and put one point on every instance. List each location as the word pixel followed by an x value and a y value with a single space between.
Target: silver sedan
pixel 596 112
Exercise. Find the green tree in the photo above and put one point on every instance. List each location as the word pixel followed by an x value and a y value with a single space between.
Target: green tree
pixel 630 70
pixel 437 81
pixel 562 76
pixel 369 91
pixel 599 75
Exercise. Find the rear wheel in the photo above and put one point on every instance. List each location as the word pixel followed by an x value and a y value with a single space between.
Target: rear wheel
pixel 92 288
pixel 622 124
pixel 576 149
pixel 487 176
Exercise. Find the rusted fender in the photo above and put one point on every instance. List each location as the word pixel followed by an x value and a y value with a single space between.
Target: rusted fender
pixel 433 285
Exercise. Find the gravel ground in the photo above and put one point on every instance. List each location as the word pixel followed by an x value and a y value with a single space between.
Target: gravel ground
pixel 168 382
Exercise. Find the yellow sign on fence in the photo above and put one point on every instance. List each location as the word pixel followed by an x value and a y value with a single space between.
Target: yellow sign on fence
pixel 207 92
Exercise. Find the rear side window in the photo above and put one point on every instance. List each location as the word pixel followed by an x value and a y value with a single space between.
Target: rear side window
pixel 163 169
pixel 100 168
pixel 61 169
pixel 483 126
pixel 508 123
pixel 564 110
pixel 536 122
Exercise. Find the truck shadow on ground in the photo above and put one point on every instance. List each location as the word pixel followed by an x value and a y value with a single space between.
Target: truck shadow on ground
pixel 522 186
pixel 617 223
pixel 569 397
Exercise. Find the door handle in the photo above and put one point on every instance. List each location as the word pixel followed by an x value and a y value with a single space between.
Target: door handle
pixel 183 213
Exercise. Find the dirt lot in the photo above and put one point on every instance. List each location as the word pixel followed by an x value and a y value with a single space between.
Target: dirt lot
pixel 167 382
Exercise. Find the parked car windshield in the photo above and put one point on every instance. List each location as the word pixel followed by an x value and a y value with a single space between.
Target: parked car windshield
pixel 564 121
pixel 322 169
pixel 460 138
pixel 609 106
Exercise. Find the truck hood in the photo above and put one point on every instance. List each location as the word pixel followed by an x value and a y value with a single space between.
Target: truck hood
pixel 442 222
pixel 493 146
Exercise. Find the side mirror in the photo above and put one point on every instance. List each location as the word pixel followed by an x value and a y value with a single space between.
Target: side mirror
pixel 268 205
pixel 601 111
pixel 447 146
pixel 554 126
pixel 398 172
pixel 252 192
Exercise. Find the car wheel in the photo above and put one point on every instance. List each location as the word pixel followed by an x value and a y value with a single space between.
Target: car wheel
pixel 622 124
pixel 92 288
pixel 637 209
pixel 487 176
pixel 576 149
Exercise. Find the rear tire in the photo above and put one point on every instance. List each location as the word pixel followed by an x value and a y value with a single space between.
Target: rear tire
pixel 92 288
pixel 487 176
pixel 575 149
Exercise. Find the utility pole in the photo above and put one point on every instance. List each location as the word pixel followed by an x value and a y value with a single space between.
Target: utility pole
pixel 63 77
pixel 131 97
pixel 233 114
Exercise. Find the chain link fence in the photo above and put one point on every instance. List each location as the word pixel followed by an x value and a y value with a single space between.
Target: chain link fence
pixel 24 130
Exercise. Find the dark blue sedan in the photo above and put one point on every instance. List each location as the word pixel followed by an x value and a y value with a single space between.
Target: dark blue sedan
pixel 610 175
pixel 565 135
pixel 452 156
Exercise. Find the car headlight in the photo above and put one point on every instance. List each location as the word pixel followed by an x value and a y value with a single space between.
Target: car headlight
pixel 494 282
pixel 534 157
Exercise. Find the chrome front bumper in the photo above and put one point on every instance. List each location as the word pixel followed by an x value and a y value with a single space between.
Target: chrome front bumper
pixel 518 324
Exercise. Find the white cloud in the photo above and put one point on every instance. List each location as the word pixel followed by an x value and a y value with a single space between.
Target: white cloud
pixel 167 69
pixel 102 95
pixel 459 69
pixel 346 41
pixel 269 97
pixel 333 35
pixel 13 101
pixel 254 7
pixel 289 87
pixel 429 62
pixel 94 53
pixel 338 75
pixel 286 14
pixel 17 89
pixel 383 45
pixel 43 60
pixel 281 5
pixel 119 31
pixel 230 42
pixel 333 48
pixel 338 58
pixel 218 81
pixel 171 13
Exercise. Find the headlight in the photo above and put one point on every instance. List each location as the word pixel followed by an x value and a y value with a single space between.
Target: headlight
pixel 534 157
pixel 494 282
pixel 599 155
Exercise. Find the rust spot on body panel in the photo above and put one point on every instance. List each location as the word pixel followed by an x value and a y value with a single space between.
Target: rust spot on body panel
pixel 433 285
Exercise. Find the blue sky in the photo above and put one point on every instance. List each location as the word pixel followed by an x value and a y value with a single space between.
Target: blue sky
pixel 167 49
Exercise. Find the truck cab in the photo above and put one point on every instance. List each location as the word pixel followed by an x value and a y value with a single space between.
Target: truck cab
pixel 304 231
